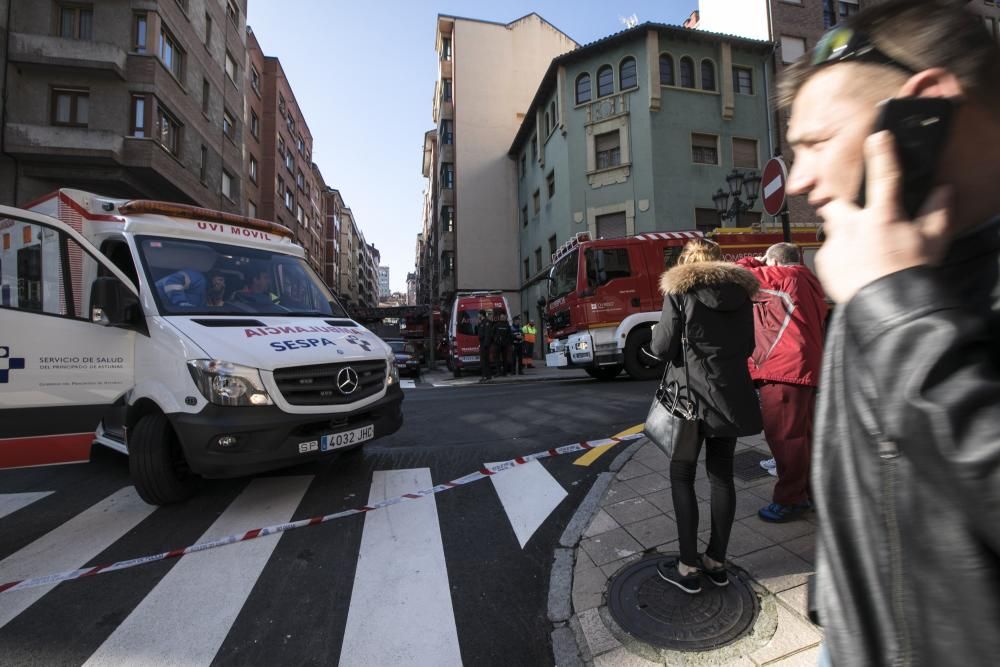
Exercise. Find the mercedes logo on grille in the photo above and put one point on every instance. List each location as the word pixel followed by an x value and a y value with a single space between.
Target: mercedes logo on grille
pixel 347 380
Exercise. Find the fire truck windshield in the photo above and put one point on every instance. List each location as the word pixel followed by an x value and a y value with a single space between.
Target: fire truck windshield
pixel 562 277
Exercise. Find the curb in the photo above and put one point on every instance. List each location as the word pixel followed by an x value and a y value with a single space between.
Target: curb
pixel 566 647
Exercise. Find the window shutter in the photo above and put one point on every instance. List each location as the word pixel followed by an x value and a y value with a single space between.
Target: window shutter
pixel 745 153
pixel 606 142
pixel 611 226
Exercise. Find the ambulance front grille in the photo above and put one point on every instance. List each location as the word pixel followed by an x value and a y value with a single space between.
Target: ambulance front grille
pixel 318 385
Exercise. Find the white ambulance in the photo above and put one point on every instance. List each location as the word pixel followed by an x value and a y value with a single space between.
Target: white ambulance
pixel 199 343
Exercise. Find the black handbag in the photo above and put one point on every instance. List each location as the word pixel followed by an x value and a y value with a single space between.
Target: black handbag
pixel 672 422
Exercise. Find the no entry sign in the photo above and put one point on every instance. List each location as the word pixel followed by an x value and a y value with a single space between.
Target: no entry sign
pixel 772 183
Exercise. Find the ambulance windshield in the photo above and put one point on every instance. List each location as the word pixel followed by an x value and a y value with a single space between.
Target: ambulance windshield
pixel 203 278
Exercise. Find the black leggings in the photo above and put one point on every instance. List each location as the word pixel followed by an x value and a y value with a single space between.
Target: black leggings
pixel 719 464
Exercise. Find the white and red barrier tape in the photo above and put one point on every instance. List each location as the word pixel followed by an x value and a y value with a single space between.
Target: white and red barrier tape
pixel 482 473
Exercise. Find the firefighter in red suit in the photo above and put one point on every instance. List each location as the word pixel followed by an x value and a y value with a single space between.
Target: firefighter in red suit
pixel 789 315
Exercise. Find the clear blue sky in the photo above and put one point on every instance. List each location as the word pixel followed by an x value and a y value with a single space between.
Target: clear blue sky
pixel 363 74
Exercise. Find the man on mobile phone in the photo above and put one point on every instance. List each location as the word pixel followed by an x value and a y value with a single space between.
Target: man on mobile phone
pixel 906 467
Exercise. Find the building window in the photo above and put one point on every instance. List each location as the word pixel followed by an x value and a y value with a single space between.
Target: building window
pixel 446 90
pixel 289 200
pixel 253 169
pixel 607 148
pixel 231 69
pixel 534 148
pixel 205 94
pixel 527 270
pixel 446 48
pixel 792 48
pixel 447 175
pixel 554 112
pixel 666 70
pixel 704 149
pixel 208 30
pixel 300 143
pixel 70 107
pixel 227 185
pixel 552 244
pixel 76 22
pixel 298 215
pixel 254 124
pixel 583 88
pixel 743 80
pixel 447 136
pixel 548 124
pixel 846 8
pixel 524 215
pixel 605 81
pixel 170 53
pixel 228 124
pixel 524 165
pixel 707 75
pixel 687 72
pixel 138 116
pixel 140 33
pixel 300 180
pixel 448 218
pixel 289 161
pixel 255 79
pixel 233 12
pixel 538 259
pixel 550 181
pixel 745 153
pixel 251 209
pixel 203 165
pixel 612 226
pixel 168 130
pixel 626 74
pixel 536 202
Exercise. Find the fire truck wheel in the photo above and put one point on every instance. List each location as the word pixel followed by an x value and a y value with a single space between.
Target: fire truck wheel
pixel 639 360
pixel 604 373
pixel 156 462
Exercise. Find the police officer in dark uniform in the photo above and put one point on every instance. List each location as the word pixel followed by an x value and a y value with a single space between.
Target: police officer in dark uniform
pixel 518 337
pixel 503 344
pixel 487 334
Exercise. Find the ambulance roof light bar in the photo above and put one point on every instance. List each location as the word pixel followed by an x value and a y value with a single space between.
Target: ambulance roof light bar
pixel 185 211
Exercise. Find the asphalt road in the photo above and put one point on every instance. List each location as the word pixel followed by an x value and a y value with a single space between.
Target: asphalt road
pixel 461 576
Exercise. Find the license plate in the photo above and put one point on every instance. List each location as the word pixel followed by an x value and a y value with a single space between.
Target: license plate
pixel 556 360
pixel 346 438
pixel 470 360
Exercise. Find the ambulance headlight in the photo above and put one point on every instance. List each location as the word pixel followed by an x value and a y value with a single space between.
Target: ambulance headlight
pixel 390 360
pixel 232 385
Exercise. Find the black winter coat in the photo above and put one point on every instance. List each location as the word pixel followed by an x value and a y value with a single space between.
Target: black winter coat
pixel 906 465
pixel 487 333
pixel 716 300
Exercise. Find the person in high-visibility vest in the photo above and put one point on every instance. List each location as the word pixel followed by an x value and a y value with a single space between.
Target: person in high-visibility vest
pixel 529 332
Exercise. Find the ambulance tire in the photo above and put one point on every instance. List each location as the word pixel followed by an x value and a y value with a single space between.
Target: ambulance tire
pixel 457 372
pixel 156 462
pixel 638 362
pixel 604 373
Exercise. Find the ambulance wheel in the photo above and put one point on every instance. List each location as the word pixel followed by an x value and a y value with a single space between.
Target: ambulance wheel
pixel 604 373
pixel 640 362
pixel 156 462
pixel 457 372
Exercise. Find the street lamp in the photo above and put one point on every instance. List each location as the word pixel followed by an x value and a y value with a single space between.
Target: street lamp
pixel 744 187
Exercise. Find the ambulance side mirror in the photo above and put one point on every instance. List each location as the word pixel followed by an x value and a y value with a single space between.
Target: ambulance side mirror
pixel 111 303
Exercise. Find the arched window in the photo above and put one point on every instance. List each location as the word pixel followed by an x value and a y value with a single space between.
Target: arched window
pixel 687 72
pixel 707 75
pixel 605 81
pixel 626 74
pixel 583 88
pixel 666 70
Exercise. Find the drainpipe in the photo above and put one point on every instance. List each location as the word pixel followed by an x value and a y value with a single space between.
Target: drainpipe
pixel 3 106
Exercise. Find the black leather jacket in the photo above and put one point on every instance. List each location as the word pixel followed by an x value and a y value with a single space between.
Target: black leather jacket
pixel 906 469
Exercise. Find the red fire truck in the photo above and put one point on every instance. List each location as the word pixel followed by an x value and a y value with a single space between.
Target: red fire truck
pixel 604 295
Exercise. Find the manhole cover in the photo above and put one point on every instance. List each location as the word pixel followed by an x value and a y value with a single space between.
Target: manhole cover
pixel 656 612
pixel 746 465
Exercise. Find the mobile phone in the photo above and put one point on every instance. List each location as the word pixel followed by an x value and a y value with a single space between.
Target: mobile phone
pixel 920 126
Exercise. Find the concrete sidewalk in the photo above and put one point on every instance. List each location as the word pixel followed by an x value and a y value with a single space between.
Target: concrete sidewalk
pixel 631 516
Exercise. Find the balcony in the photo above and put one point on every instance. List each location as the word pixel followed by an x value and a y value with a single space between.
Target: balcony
pixel 446 69
pixel 447 242
pixel 63 52
pixel 447 197
pixel 34 140
pixel 447 111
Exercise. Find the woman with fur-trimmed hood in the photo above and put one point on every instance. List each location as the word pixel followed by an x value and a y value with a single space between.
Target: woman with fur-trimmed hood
pixel 715 297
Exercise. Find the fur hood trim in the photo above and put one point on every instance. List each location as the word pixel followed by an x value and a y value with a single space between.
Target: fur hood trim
pixel 686 278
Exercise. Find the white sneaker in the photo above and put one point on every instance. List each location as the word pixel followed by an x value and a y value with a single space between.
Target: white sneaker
pixel 769 464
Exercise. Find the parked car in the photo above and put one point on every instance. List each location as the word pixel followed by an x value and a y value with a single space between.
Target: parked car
pixel 407 356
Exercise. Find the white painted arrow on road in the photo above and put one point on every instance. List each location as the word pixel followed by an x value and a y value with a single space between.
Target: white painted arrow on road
pixel 529 494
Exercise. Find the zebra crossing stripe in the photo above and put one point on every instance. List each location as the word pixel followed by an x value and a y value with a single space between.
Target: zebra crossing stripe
pixel 483 473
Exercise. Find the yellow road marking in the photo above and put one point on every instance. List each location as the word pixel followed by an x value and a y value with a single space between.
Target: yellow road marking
pixel 595 453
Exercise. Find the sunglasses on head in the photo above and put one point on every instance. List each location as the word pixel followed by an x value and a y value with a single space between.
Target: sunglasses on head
pixel 847 45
